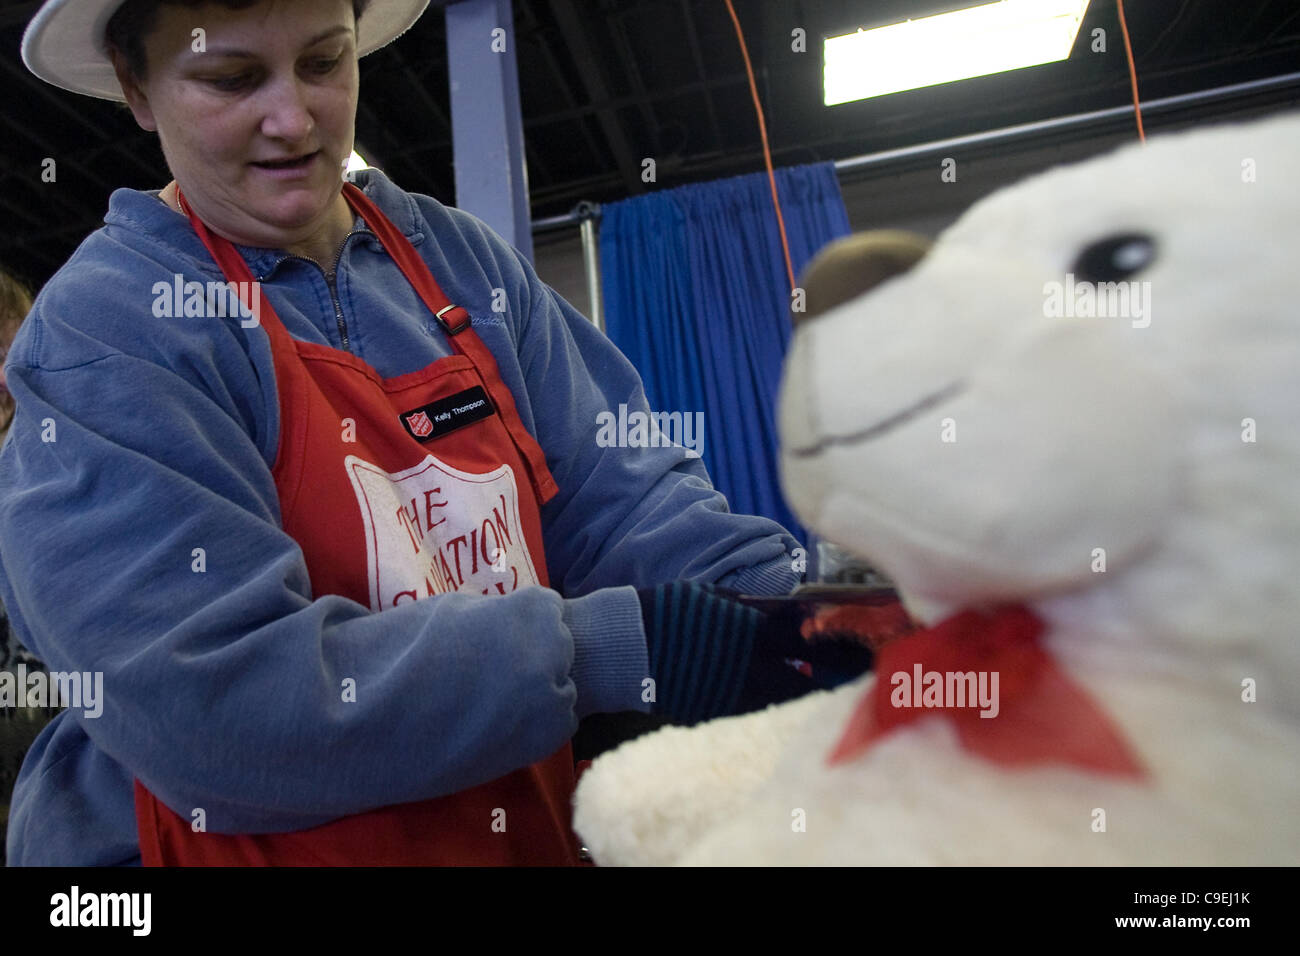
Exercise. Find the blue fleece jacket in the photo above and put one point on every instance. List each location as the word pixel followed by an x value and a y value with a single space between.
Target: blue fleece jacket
pixel 139 439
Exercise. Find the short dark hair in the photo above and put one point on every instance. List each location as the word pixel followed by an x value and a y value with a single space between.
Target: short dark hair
pixel 136 19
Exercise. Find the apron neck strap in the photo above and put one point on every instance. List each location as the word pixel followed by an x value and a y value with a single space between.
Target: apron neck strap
pixel 453 318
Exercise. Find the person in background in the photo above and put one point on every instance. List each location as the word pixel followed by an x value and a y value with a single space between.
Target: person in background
pixel 313 469
pixel 15 303
pixel 19 724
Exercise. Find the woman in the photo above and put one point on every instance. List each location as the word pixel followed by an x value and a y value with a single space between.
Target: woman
pixel 229 494
pixel 15 303
pixel 19 723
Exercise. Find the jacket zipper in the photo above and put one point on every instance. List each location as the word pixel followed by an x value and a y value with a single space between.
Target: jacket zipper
pixel 331 281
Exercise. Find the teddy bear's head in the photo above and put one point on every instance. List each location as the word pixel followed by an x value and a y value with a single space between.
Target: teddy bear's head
pixel 1085 397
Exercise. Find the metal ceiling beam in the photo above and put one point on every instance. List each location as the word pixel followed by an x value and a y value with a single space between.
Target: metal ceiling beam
pixel 59 102
pixel 693 36
pixel 561 82
pixel 1077 121
pixel 584 61
pixel 428 104
pixel 391 152
pixel 583 112
pixel 611 103
pixel 627 59
pixel 62 160
pixel 1074 121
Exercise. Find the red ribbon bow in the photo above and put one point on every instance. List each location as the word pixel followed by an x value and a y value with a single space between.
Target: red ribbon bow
pixel 1036 715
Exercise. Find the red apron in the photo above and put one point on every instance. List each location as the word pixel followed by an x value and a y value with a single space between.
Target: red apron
pixel 419 476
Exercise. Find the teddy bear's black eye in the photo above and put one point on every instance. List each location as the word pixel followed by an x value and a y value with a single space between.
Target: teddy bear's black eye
pixel 1114 258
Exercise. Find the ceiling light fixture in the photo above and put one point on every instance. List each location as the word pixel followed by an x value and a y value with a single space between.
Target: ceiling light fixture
pixel 976 41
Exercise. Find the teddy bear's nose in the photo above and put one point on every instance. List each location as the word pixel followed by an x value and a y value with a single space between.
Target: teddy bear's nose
pixel 847 268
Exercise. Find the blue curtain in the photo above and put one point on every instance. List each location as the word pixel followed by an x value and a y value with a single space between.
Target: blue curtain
pixel 696 295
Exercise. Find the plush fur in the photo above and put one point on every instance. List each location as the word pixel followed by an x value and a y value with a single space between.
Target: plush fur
pixel 1072 434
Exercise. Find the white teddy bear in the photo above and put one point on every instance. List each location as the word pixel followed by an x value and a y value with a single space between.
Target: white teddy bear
pixel 997 428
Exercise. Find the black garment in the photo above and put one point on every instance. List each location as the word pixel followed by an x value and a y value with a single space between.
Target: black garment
pixel 19 726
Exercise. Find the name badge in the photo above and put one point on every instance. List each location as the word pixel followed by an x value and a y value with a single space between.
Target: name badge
pixel 439 418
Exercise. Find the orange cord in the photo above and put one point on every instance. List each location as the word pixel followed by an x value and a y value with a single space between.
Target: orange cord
pixel 767 152
pixel 1132 70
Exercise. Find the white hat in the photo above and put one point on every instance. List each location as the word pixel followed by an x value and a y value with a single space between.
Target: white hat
pixel 64 43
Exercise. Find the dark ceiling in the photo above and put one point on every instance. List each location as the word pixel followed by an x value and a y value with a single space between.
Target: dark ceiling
pixel 606 83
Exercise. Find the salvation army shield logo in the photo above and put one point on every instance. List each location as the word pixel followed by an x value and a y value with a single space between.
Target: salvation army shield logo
pixel 432 529
pixel 419 424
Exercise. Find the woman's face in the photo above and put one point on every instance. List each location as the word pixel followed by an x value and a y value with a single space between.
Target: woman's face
pixel 276 81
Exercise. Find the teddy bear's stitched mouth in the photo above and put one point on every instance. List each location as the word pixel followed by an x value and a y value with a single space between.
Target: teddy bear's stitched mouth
pixel 874 431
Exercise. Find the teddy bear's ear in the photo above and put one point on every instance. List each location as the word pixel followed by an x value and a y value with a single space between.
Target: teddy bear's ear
pixel 847 268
